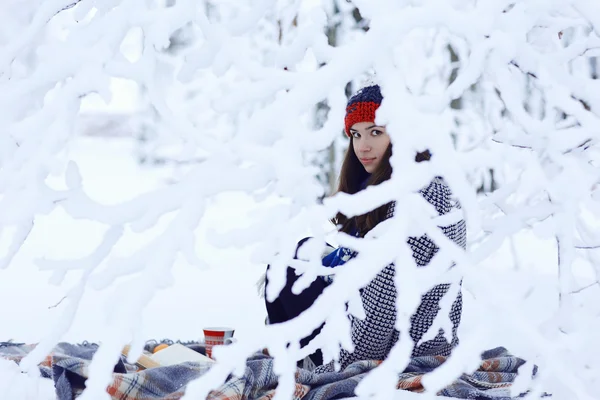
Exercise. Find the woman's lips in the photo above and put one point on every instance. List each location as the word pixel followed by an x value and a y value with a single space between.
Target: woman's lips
pixel 366 161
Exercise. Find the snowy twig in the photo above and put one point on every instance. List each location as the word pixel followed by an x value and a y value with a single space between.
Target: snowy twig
pixel 585 287
pixel 57 304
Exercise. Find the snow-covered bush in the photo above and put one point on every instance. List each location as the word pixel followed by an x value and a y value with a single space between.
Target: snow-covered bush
pixel 524 73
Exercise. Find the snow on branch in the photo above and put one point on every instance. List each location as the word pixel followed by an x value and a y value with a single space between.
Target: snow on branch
pixel 503 94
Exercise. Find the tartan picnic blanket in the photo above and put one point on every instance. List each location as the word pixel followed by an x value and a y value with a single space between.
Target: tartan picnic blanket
pixel 68 366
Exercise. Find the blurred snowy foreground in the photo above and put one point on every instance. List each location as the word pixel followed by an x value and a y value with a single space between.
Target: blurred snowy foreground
pixel 225 293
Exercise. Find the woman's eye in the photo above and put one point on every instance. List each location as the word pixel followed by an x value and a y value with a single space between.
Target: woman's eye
pixel 355 135
pixel 376 132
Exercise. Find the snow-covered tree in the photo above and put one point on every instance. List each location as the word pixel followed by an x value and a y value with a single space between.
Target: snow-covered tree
pixel 258 69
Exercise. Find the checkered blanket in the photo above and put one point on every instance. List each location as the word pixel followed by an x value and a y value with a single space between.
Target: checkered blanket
pixel 68 367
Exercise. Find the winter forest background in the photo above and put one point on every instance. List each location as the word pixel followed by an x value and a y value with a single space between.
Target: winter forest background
pixel 155 155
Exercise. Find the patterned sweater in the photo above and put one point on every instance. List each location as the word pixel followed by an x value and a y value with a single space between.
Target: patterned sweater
pixel 374 336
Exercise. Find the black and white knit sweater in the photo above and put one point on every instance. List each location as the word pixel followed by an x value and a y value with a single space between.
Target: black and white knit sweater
pixel 374 336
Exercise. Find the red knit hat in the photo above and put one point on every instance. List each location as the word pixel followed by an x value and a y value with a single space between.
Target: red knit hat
pixel 362 106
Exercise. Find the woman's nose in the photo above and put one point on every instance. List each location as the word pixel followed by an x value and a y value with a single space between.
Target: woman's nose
pixel 365 146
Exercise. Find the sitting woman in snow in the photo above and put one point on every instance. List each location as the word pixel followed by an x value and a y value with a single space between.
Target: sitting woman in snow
pixel 367 163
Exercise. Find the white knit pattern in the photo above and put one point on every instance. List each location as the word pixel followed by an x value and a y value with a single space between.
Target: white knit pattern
pixel 374 336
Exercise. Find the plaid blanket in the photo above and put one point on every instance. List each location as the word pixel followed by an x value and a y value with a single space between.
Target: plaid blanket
pixel 68 367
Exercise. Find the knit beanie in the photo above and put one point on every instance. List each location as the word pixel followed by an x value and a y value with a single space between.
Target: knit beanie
pixel 362 106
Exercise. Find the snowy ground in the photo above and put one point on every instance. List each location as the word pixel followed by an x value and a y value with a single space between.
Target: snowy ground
pixel 198 297
pixel 225 294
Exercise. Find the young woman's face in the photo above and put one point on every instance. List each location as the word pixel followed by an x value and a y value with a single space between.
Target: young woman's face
pixel 370 143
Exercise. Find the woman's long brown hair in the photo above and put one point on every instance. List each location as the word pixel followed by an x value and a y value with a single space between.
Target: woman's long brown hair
pixel 352 176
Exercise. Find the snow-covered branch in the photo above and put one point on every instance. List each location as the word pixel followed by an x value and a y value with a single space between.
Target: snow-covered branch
pixel 527 125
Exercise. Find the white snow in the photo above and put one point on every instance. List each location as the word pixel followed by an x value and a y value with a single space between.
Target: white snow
pixel 223 295
pixel 145 253
pixel 16 385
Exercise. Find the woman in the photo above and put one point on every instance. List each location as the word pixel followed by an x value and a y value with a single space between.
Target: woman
pixel 367 163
